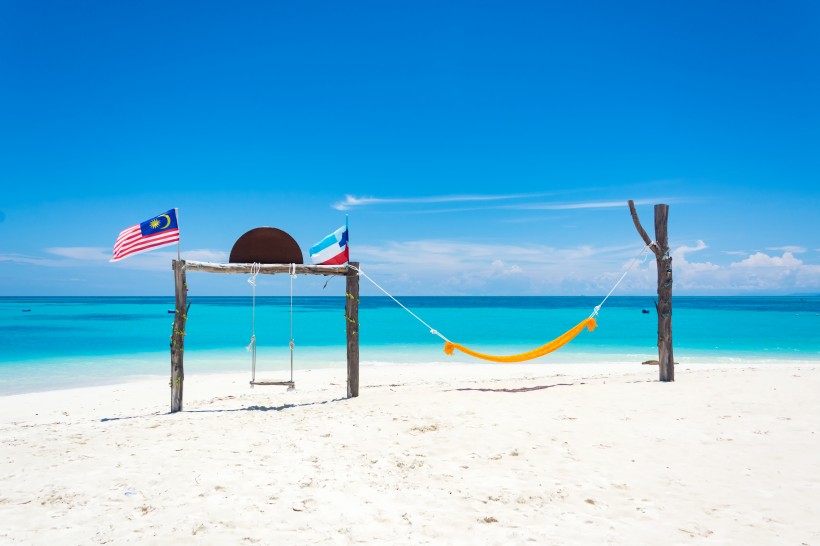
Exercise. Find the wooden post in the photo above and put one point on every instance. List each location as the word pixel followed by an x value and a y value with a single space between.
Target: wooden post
pixel 178 335
pixel 664 262
pixel 352 319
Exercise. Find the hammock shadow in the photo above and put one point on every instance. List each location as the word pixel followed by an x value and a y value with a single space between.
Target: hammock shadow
pixel 519 389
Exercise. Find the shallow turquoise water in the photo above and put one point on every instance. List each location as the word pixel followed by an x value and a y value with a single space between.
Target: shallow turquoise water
pixel 60 342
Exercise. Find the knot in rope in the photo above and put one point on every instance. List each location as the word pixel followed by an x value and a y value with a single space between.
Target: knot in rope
pixel 255 267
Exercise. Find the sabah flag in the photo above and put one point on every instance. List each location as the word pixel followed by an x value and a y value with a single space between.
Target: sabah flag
pixel 161 230
pixel 332 250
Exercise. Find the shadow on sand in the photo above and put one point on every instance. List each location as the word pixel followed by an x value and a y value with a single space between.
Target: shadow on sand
pixel 519 389
pixel 228 410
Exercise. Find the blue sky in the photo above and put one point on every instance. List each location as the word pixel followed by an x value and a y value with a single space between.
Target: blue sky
pixel 478 147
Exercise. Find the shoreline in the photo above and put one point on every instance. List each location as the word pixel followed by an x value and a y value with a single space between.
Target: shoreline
pixel 76 372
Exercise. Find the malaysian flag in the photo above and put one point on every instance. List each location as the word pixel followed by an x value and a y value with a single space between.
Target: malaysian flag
pixel 161 230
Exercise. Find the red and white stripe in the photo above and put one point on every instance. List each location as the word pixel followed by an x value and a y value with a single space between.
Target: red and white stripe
pixel 132 242
pixel 342 257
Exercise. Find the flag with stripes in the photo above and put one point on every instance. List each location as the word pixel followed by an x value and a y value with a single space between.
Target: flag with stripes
pixel 161 230
pixel 333 249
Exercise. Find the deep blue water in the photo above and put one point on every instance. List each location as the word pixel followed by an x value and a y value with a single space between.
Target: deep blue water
pixel 78 341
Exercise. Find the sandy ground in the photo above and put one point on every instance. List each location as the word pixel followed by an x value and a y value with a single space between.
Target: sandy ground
pixel 427 454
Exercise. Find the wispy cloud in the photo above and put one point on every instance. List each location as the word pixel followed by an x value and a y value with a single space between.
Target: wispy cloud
pixel 491 202
pixel 788 248
pixel 81 253
pixel 86 256
pixel 586 204
pixel 352 201
pixel 15 258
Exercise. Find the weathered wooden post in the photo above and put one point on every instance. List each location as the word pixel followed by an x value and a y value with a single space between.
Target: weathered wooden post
pixel 352 316
pixel 664 262
pixel 178 335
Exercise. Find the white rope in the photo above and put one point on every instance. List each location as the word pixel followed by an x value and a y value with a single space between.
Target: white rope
pixel 292 344
pixel 643 253
pixel 432 330
pixel 255 267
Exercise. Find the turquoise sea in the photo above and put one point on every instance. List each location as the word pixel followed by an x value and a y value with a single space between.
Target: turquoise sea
pixel 59 342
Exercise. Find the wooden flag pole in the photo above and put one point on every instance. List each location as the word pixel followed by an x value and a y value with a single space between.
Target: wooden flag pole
pixel 178 335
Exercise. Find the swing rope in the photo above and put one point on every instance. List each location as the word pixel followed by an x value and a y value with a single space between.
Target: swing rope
pixel 292 344
pixel 589 323
pixel 255 267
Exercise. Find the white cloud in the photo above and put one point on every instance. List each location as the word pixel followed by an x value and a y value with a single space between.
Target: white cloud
pixel 352 201
pixel 86 256
pixel 585 204
pixel 679 259
pixel 459 267
pixel 760 260
pixel 788 248
pixel 453 267
pixel 82 253
pixel 30 260
pixel 450 267
pixel 756 272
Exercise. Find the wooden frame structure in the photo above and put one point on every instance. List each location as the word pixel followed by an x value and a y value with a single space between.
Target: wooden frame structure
pixel 660 246
pixel 181 314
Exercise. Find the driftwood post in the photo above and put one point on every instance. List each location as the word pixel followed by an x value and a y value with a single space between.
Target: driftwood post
pixel 178 335
pixel 352 316
pixel 664 261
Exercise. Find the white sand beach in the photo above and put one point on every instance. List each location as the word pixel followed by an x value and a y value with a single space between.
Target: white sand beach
pixel 427 454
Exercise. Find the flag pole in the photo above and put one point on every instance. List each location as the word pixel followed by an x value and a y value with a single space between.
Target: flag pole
pixel 178 252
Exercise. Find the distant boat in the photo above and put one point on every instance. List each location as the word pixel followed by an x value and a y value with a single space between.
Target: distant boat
pixel 171 310
pixel 26 310
pixel 645 311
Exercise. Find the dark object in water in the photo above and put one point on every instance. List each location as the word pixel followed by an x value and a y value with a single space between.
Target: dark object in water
pixel 171 310
pixel 26 310
pixel 645 311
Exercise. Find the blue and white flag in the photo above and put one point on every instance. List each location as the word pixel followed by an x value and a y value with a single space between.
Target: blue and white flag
pixel 333 249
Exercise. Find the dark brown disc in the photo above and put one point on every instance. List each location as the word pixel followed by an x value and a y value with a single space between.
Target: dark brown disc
pixel 266 245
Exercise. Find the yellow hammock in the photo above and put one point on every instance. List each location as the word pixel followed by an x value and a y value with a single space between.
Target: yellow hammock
pixel 556 343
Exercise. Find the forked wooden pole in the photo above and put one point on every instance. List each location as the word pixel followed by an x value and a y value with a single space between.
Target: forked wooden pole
pixel 663 258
